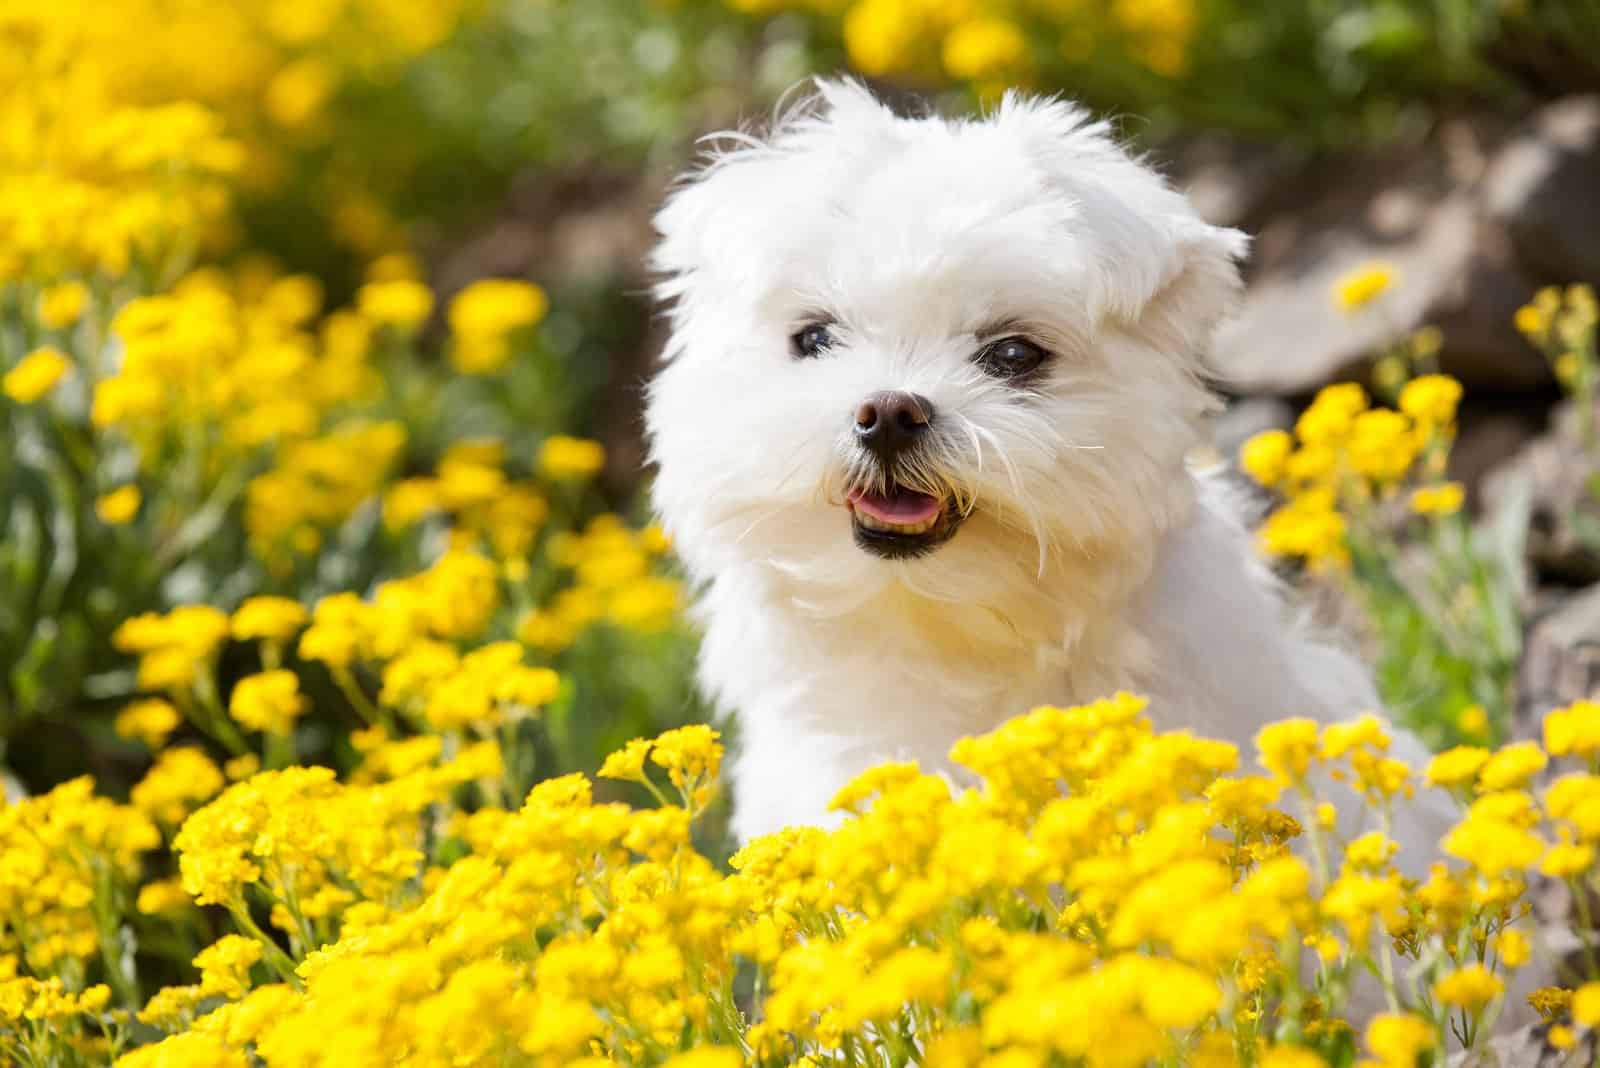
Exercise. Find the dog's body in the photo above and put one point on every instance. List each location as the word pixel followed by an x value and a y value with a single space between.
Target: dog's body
pixel 921 439
pixel 820 700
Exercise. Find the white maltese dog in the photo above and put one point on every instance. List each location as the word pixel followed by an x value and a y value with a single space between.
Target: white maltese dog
pixel 921 437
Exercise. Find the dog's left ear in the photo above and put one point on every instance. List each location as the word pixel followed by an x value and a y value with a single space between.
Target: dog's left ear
pixel 1151 263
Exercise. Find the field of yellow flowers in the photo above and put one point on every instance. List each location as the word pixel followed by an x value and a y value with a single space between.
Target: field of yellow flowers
pixel 346 671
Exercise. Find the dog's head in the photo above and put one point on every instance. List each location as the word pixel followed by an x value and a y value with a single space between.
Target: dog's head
pixel 935 352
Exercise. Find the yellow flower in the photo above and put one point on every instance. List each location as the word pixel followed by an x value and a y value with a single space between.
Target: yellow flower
pixel 268 619
pixel 181 780
pixel 1550 1002
pixel 1382 445
pixel 403 304
pixel 61 305
pixel 118 506
pixel 164 896
pixel 564 458
pixel 225 965
pixel 881 36
pixel 151 721
pixel 1586 1005
pixel 268 702
pixel 1495 847
pixel 1567 859
pixel 1426 341
pixel 1309 526
pixel 1398 1040
pixel 626 763
pixel 1513 947
pixel 1431 400
pixel 1263 457
pixel 1363 285
pixel 298 92
pixel 1532 320
pixel 494 307
pixel 1441 500
pixel 1288 748
pixel 1329 417
pixel 984 48
pixel 1473 720
pixel 1512 767
pixel 1470 987
pixel 1457 767
pixel 1574 730
pixel 35 375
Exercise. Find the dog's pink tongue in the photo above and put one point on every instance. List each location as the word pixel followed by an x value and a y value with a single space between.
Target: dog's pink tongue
pixel 901 506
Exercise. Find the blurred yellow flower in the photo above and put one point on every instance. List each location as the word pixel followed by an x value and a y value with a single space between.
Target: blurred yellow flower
pixel 984 48
pixel 1532 319
pixel 1470 987
pixel 1397 1039
pixel 1512 766
pixel 1431 400
pixel 35 375
pixel 1443 499
pixel 1586 1005
pixel 1574 730
pixel 882 36
pixel 268 702
pixel 403 304
pixel 299 91
pixel 1473 720
pixel 496 306
pixel 1363 285
pixel 118 506
pixel 151 721
pixel 567 458
pixel 268 618
pixel 1264 456
pixel 62 304
pixel 1456 767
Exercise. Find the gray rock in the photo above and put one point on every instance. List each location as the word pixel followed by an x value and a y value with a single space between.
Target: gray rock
pixel 1559 469
pixel 1229 182
pixel 1544 187
pixel 1419 210
pixel 1242 419
pixel 1561 659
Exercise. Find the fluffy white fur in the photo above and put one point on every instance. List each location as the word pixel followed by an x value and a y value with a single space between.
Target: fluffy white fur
pixel 1092 559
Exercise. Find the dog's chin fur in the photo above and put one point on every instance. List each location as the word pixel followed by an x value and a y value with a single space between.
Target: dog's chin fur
pixel 1089 558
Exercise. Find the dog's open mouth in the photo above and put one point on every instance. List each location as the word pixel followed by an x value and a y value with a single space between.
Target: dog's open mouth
pixel 900 522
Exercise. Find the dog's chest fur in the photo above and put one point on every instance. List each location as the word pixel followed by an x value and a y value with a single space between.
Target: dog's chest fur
pixel 820 699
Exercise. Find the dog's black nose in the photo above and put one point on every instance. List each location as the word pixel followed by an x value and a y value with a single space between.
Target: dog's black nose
pixel 889 423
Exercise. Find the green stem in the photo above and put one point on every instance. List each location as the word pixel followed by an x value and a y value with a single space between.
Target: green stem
pixel 276 958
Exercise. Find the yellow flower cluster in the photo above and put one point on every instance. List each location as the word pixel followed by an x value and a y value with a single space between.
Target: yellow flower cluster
pixel 470 486
pixel 612 566
pixel 483 318
pixel 1346 459
pixel 115 156
pixel 1103 894
pixel 988 44
pixel 1562 325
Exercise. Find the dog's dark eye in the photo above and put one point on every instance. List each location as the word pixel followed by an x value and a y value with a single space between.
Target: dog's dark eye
pixel 811 340
pixel 1010 357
